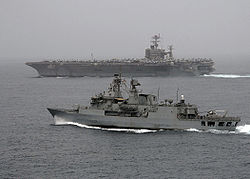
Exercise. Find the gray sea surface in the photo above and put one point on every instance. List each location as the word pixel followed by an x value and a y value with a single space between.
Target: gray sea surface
pixel 31 146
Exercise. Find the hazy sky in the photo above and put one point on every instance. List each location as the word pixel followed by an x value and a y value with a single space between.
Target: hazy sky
pixel 122 28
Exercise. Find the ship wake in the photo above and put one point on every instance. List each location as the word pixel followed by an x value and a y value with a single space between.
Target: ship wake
pixel 227 76
pixel 137 131
pixel 245 129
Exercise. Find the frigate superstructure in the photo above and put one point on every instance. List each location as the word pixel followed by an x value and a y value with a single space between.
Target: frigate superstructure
pixel 139 110
pixel 157 62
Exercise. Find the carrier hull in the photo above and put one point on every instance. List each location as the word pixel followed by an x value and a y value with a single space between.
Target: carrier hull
pixel 80 69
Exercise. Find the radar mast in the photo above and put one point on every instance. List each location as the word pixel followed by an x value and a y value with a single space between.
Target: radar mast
pixel 155 41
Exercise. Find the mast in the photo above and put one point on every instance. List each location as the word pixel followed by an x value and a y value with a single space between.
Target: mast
pixel 155 41
pixel 133 92
pixel 177 95
pixel 170 51
pixel 117 85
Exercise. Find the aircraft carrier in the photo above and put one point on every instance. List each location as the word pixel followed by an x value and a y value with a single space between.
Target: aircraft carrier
pixel 157 62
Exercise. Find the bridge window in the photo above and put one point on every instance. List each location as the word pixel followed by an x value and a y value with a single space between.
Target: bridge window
pixel 203 123
pixel 229 123
pixel 142 100
pixel 210 123
pixel 235 123
pixel 221 124
pixel 191 116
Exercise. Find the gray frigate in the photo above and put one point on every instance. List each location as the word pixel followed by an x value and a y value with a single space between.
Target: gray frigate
pixel 157 62
pixel 138 110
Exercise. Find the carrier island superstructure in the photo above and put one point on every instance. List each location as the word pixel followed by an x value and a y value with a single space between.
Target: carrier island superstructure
pixel 157 62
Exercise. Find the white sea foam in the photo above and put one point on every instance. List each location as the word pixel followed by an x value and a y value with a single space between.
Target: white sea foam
pixel 227 76
pixel 245 129
pixel 60 77
pixel 138 131
pixel 193 130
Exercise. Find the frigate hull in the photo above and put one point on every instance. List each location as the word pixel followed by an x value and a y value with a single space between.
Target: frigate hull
pixel 153 121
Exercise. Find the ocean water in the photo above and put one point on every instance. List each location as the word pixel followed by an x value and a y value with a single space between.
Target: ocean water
pixel 32 146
